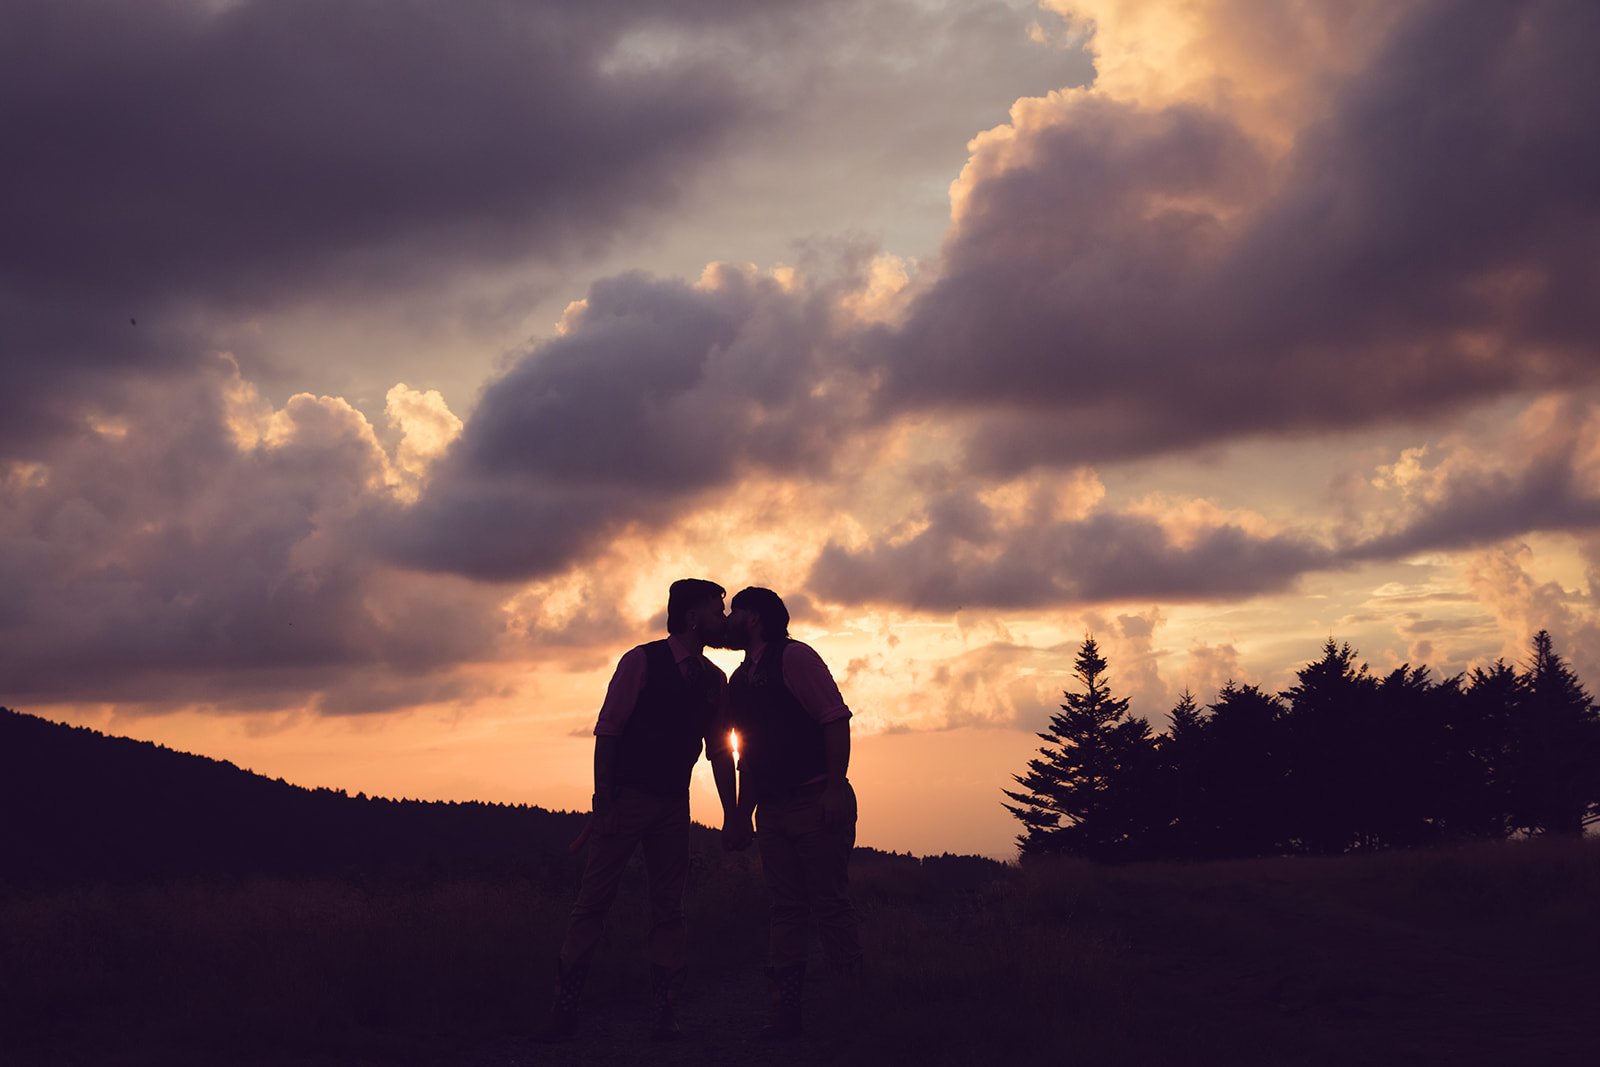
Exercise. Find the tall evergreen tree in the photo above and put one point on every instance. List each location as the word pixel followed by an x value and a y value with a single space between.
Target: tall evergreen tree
pixel 1330 737
pixel 1088 792
pixel 1404 757
pixel 1243 773
pixel 1482 738
pixel 1554 773
pixel 1178 753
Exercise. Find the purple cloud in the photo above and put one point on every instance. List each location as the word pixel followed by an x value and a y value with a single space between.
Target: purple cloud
pixel 658 394
pixel 1125 280
pixel 966 557
pixel 165 158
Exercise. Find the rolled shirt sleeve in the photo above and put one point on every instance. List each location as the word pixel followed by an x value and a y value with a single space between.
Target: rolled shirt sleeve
pixel 807 677
pixel 622 694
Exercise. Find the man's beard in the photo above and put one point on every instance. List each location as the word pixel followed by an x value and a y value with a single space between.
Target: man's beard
pixel 732 637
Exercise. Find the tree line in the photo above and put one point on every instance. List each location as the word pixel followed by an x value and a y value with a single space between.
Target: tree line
pixel 1345 760
pixel 79 806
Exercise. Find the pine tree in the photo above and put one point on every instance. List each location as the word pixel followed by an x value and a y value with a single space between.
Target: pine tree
pixel 1331 737
pixel 1243 775
pixel 1180 753
pixel 1554 772
pixel 1089 792
pixel 1482 737
pixel 1406 755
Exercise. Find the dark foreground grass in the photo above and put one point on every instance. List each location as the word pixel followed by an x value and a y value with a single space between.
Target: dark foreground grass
pixel 1479 955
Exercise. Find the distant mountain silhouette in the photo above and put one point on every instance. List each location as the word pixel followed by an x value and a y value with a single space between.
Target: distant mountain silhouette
pixel 78 805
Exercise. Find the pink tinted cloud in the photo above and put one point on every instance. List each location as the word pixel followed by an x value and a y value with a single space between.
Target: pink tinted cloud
pixel 204 547
pixel 1124 278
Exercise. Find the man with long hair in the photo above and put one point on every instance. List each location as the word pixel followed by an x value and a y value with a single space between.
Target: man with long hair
pixel 794 754
pixel 663 707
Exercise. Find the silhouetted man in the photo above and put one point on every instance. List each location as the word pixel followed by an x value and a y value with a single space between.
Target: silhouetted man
pixel 794 752
pixel 664 703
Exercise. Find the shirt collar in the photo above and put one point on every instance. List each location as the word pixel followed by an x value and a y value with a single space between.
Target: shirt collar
pixel 681 649
pixel 753 653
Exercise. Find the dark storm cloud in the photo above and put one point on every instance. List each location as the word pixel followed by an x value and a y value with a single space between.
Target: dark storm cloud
pixel 168 156
pixel 1126 280
pixel 657 392
pixel 967 557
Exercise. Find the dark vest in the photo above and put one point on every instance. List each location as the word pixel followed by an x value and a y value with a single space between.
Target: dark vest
pixel 780 746
pixel 663 736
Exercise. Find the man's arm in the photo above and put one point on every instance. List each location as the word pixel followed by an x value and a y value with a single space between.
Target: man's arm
pixel 736 830
pixel 836 750
pixel 720 753
pixel 605 773
pixel 621 695
pixel 735 826
pixel 808 678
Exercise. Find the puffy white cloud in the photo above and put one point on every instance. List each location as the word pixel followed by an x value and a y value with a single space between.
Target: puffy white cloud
pixel 426 425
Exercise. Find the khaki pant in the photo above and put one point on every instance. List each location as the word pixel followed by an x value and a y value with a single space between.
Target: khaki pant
pixel 661 826
pixel 805 864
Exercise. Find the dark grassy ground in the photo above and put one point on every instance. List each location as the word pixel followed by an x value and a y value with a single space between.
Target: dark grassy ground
pixel 1483 955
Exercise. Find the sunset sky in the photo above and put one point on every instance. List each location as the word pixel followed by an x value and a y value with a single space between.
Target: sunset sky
pixel 369 369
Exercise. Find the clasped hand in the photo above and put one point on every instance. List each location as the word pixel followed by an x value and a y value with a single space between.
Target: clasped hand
pixel 737 833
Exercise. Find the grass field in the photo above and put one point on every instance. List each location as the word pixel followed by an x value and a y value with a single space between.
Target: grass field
pixel 1488 954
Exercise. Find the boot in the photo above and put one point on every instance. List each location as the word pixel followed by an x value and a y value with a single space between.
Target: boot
pixel 784 985
pixel 562 1022
pixel 665 983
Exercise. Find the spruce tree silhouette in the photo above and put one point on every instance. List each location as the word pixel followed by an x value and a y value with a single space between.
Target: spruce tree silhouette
pixel 1179 751
pixel 1399 808
pixel 1331 736
pixel 1480 779
pixel 1243 773
pixel 1341 761
pixel 1554 775
pixel 1091 790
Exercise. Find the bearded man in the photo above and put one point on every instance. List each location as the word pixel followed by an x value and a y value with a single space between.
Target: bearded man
pixel 794 754
pixel 665 704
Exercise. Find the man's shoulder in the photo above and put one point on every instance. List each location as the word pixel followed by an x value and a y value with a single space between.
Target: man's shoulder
pixel 639 653
pixel 800 651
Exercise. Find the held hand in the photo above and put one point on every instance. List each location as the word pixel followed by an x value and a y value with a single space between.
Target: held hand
pixel 603 817
pixel 737 833
pixel 598 824
pixel 835 805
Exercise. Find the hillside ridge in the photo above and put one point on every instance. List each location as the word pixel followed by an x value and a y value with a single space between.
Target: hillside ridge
pixel 85 805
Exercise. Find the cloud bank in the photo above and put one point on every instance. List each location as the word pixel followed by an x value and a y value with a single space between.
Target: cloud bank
pixel 1254 226
pixel 177 159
